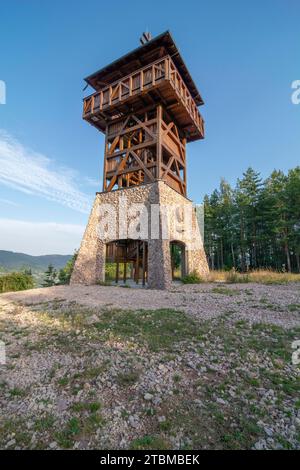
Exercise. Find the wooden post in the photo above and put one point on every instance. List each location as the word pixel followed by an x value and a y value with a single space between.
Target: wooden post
pixel 183 263
pixel 184 169
pixel 159 143
pixel 137 262
pixel 105 161
pixel 125 273
pixel 117 267
pixel 144 263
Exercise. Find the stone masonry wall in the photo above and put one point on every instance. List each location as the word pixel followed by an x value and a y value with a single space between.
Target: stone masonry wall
pixel 90 264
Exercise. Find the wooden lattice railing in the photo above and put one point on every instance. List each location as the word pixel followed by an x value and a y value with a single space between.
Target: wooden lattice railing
pixel 139 81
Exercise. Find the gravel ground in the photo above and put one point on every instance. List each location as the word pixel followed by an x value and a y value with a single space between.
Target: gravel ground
pixel 201 366
pixel 253 302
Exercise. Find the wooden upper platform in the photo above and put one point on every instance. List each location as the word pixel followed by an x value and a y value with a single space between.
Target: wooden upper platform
pixel 153 50
pixel 151 74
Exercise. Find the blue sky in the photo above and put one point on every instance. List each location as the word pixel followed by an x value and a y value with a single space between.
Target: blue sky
pixel 242 55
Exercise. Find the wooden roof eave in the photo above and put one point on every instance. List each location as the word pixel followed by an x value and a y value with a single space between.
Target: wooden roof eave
pixel 166 40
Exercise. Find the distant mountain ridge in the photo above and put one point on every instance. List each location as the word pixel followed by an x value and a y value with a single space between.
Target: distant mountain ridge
pixel 11 261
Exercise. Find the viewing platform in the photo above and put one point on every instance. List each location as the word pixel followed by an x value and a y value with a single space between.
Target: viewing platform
pixel 157 82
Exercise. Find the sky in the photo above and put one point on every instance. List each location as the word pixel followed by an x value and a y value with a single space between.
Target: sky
pixel 243 56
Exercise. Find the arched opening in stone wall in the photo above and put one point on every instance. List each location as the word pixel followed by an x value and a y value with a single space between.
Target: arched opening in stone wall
pixel 127 261
pixel 178 259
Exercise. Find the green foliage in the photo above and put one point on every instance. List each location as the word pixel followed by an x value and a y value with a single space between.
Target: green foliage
pixel 15 282
pixel 192 278
pixel 157 329
pixel 110 271
pixel 65 273
pixel 50 276
pixel 255 225
pixel 149 442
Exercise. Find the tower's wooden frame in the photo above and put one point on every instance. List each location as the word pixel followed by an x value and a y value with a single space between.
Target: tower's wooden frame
pixel 144 147
pixel 148 115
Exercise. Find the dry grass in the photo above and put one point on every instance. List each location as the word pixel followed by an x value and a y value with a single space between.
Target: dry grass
pixel 261 276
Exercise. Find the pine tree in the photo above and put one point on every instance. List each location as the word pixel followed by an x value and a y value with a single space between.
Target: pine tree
pixel 256 225
pixel 65 273
pixel 50 277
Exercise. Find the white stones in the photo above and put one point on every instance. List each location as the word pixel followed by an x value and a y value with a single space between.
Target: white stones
pixel 268 431
pixel 133 421
pixel 11 443
pixel 221 401
pixel 148 396
pixel 261 444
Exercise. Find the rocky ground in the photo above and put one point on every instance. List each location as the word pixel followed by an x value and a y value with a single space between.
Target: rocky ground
pixel 202 366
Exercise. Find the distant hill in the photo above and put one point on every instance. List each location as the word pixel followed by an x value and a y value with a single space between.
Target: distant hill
pixel 11 261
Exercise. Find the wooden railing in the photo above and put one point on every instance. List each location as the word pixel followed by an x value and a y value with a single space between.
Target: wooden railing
pixel 183 92
pixel 139 81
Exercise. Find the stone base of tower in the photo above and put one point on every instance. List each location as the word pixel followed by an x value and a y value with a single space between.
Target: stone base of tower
pixel 116 216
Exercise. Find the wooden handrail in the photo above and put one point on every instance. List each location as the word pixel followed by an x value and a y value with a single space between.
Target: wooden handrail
pixel 168 71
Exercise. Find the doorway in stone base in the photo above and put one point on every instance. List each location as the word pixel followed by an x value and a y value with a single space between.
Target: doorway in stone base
pixel 127 262
pixel 178 260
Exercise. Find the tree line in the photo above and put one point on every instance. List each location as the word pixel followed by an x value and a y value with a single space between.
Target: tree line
pixel 63 276
pixel 256 224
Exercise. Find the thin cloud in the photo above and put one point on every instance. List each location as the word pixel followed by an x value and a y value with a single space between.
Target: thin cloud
pixel 92 182
pixel 32 173
pixel 9 203
pixel 39 238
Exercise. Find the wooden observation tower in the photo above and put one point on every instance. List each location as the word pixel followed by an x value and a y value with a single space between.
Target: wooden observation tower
pixel 146 104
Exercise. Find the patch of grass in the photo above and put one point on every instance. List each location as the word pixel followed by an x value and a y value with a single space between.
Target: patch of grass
pixel 158 329
pixel 149 442
pixel 86 406
pixel 233 277
pixel 45 423
pixel 103 283
pixel 65 438
pixel 225 291
pixel 192 278
pixel 177 378
pixel 91 423
pixel 63 381
pixel 14 426
pixel 88 418
pixel 260 276
pixel 93 372
pixel 127 378
pixel 294 307
pixel 289 385
pixel 17 392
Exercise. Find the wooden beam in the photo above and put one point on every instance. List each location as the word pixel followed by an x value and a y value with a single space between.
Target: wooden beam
pixel 159 141
pixel 144 263
pixel 142 166
pixel 137 262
